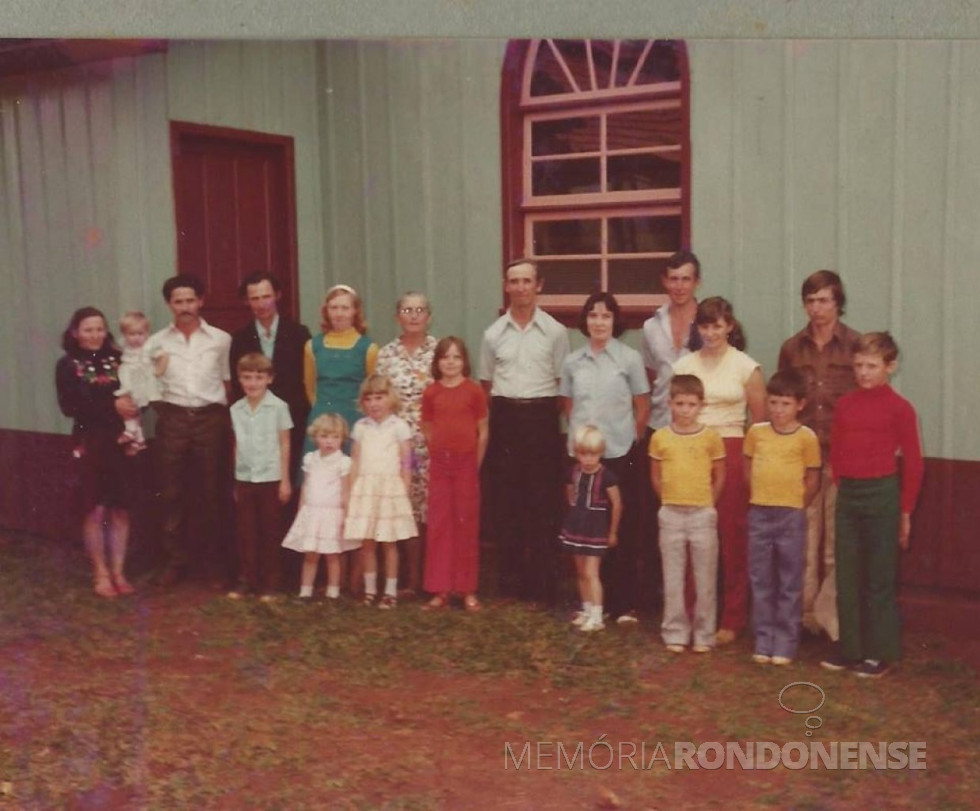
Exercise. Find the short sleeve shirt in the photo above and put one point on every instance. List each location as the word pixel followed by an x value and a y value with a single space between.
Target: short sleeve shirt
pixel 685 465
pixel 523 362
pixel 379 444
pixel 601 387
pixel 453 414
pixel 257 432
pixel 724 388
pixel 779 463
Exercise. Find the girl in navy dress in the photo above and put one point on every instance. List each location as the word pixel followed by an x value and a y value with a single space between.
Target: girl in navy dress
pixel 592 521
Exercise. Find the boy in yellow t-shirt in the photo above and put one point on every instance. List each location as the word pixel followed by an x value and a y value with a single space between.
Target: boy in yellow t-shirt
pixel 784 472
pixel 687 470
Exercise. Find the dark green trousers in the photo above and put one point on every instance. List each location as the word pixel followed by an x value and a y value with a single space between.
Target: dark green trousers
pixel 867 555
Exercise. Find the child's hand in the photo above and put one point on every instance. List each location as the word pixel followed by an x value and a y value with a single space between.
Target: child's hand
pixel 160 361
pixel 126 407
pixel 613 541
pixel 285 491
pixel 904 529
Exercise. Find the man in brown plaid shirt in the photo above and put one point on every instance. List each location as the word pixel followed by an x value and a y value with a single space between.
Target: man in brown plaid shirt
pixel 822 351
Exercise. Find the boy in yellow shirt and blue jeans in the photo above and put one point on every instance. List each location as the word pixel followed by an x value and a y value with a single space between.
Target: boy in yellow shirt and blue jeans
pixel 687 471
pixel 784 473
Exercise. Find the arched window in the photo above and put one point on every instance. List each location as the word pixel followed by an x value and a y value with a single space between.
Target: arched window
pixel 596 165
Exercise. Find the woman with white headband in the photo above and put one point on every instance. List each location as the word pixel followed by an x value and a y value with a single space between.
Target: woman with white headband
pixel 339 359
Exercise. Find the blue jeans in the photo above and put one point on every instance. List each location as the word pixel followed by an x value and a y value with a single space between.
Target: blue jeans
pixel 777 554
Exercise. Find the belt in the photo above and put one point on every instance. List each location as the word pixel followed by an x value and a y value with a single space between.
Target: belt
pixel 191 411
pixel 526 401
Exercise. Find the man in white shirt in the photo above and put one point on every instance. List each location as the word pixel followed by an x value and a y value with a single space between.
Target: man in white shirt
pixel 192 434
pixel 520 365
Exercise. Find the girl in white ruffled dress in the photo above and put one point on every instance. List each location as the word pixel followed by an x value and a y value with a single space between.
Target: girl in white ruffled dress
pixel 318 528
pixel 379 509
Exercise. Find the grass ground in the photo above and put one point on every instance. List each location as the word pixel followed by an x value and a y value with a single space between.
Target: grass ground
pixel 184 699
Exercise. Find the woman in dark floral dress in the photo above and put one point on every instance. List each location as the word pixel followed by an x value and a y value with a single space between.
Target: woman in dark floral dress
pixel 86 378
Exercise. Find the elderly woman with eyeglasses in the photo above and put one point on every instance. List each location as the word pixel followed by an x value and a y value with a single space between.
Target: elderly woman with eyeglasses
pixel 407 361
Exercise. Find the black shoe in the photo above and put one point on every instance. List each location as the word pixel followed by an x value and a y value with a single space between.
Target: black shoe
pixel 871 670
pixel 837 663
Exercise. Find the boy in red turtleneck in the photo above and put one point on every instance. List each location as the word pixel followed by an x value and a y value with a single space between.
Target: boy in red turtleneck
pixel 872 425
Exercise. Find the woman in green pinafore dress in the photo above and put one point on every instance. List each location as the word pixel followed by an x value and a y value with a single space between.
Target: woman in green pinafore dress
pixel 339 359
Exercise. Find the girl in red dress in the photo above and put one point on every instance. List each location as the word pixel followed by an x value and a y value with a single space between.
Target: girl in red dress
pixel 454 422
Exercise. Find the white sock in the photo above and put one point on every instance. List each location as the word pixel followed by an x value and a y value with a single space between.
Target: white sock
pixel 596 612
pixel 371 583
pixel 391 586
pixel 333 592
pixel 586 608
pixel 306 591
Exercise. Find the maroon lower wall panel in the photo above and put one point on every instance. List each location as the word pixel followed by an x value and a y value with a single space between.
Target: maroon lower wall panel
pixel 944 553
pixel 38 495
pixel 39 485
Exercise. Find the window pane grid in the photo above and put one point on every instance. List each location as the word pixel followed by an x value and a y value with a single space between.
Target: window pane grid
pixel 610 267
pixel 562 141
pixel 602 203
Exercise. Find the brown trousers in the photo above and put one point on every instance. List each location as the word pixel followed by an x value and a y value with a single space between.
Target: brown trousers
pixel 258 528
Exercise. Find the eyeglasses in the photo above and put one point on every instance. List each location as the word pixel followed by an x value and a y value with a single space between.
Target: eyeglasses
pixel 413 310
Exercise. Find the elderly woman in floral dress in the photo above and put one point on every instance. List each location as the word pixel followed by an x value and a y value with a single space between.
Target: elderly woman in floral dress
pixel 407 361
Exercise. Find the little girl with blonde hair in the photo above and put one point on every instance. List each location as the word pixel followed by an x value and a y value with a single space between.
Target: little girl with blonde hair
pixel 318 528
pixel 381 476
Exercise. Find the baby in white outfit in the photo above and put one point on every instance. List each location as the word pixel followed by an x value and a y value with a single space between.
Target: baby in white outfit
pixel 138 373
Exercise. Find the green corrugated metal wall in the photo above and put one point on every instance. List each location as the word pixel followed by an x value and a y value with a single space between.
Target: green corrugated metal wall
pixel 856 155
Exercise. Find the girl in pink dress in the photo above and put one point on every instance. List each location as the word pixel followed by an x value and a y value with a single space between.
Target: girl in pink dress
pixel 318 528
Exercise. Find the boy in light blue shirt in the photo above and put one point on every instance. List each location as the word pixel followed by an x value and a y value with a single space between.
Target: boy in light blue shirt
pixel 261 423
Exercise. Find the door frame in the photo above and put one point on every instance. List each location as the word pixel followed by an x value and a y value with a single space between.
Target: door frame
pixel 285 145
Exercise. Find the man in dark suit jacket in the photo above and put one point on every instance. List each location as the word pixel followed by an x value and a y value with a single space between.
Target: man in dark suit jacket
pixel 283 340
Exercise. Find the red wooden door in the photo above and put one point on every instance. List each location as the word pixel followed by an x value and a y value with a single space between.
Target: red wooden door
pixel 235 205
